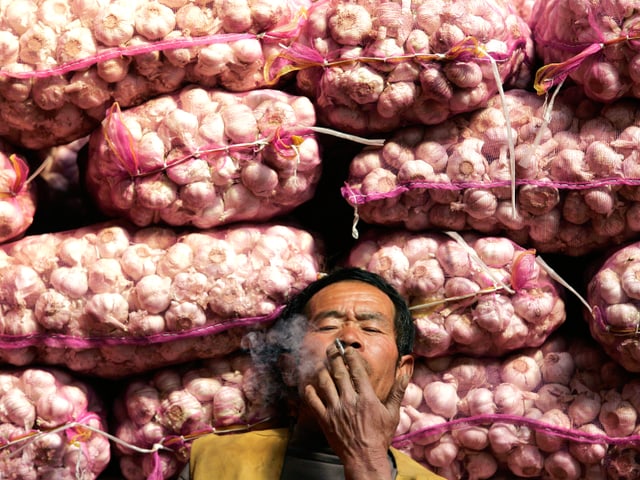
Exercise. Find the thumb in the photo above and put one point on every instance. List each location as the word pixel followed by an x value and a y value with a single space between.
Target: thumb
pixel 394 399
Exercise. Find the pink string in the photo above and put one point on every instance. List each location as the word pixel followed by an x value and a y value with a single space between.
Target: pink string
pixel 62 341
pixel 128 51
pixel 156 473
pixel 355 197
pixel 278 34
pixel 537 425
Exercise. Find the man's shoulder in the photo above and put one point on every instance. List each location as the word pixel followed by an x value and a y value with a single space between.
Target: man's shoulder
pixel 410 469
pixel 254 454
pixel 277 435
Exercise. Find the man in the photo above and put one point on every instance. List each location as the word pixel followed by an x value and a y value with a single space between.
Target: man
pixel 345 406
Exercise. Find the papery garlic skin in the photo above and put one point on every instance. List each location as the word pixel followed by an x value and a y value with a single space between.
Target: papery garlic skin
pixel 477 294
pixel 143 402
pixel 15 407
pixel 612 293
pixel 113 25
pixel 119 300
pixel 42 399
pixel 221 159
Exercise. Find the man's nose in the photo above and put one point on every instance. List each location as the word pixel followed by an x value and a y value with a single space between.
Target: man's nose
pixel 350 336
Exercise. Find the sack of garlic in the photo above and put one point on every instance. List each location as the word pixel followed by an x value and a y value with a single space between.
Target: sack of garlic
pixel 112 300
pixel 561 176
pixel 170 407
pixel 373 67
pixel 205 157
pixel 561 410
pixel 52 425
pixel 64 62
pixel 468 293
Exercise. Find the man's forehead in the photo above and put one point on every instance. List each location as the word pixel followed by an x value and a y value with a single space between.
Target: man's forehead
pixel 359 313
pixel 354 295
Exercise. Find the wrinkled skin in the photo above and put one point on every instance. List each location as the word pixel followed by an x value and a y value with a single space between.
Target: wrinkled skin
pixel 352 403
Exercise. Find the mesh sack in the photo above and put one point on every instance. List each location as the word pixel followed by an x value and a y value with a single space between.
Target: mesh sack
pixel 563 410
pixel 205 157
pixel 373 66
pixel 64 62
pixel 558 174
pixel 111 300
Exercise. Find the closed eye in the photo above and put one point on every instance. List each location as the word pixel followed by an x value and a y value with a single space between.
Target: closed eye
pixel 325 328
pixel 372 330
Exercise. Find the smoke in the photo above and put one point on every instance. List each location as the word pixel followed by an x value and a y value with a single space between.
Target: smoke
pixel 267 346
pixel 284 336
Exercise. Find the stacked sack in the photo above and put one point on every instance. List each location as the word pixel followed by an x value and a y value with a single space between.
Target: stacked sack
pixel 562 410
pixel 561 178
pixel 53 425
pixel 557 175
pixel 159 270
pixel 469 294
pixel 205 157
pixel 599 52
pixel 377 66
pixel 65 63
pixel 204 141
pixel 113 300
pixel 159 413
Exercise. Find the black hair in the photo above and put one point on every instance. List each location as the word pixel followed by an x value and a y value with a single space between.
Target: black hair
pixel 403 322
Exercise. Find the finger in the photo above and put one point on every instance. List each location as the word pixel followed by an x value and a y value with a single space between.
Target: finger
pixel 394 399
pixel 314 401
pixel 339 369
pixel 359 375
pixel 326 389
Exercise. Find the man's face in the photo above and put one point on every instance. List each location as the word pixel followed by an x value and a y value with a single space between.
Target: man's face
pixel 361 316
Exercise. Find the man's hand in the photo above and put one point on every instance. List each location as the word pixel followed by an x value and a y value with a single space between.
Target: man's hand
pixel 358 426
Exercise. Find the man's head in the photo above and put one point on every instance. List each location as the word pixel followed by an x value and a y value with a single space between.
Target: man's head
pixel 403 322
pixel 361 310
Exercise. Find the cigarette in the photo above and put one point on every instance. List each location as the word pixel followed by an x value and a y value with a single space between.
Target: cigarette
pixel 340 347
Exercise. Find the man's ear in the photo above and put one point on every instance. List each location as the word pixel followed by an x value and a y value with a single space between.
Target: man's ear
pixel 405 366
pixel 288 369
